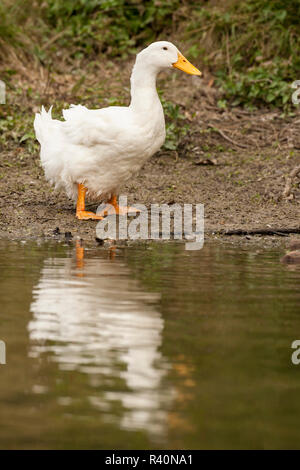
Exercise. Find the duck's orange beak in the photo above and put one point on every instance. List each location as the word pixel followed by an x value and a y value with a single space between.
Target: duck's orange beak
pixel 183 64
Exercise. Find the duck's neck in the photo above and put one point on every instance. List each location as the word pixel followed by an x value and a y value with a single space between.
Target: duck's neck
pixel 144 95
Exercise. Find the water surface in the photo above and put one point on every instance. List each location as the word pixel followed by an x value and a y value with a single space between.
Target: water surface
pixel 148 347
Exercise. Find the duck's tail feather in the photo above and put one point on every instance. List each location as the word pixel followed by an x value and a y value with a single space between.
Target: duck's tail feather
pixel 41 124
pixel 74 111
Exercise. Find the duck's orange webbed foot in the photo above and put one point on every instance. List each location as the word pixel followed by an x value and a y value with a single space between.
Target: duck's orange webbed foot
pixel 81 213
pixel 114 208
pixel 86 215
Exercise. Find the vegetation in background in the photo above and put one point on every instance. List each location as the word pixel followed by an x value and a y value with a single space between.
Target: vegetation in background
pixel 176 127
pixel 258 55
pixel 251 47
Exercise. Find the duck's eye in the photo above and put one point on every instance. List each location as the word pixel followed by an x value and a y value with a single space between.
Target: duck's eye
pixel 165 48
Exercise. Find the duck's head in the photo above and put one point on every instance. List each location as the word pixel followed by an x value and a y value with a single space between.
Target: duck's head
pixel 164 55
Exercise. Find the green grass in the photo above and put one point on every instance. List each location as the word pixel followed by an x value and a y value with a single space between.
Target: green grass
pixel 258 57
pixel 251 46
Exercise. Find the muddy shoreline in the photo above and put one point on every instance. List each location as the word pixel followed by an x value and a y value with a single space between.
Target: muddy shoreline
pixel 239 192
pixel 233 161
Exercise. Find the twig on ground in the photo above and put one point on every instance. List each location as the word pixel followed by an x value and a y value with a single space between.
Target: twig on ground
pixel 227 138
pixel 260 231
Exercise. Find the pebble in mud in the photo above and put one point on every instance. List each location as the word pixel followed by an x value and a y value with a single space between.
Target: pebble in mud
pixel 293 255
pixel 294 245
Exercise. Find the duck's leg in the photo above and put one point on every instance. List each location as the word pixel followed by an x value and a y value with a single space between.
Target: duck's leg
pixel 81 213
pixel 120 210
pixel 79 256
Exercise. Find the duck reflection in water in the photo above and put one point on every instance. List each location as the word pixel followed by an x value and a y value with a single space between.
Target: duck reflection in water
pixel 91 316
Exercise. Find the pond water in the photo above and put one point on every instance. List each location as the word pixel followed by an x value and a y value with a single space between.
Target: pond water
pixel 148 347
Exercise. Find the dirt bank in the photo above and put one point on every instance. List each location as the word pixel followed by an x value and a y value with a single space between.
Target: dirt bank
pixel 235 162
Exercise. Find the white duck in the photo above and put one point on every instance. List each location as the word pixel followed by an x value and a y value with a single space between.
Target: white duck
pixel 96 151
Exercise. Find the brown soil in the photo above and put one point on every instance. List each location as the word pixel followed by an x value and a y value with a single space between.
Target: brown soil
pixel 234 162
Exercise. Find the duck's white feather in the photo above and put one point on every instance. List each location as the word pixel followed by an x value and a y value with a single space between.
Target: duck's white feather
pixel 103 148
